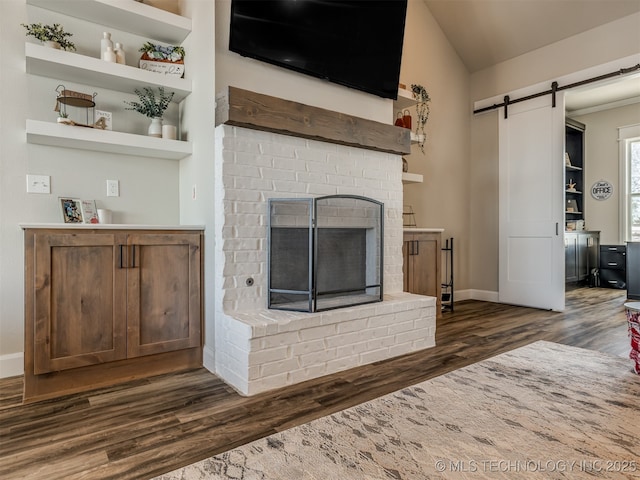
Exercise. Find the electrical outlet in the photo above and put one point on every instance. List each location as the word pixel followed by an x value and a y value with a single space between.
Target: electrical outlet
pixel 38 184
pixel 113 188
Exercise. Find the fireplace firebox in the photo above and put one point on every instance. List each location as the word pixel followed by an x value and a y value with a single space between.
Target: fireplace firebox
pixel 325 252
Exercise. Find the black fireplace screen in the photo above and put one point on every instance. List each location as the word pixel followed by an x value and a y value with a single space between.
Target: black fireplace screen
pixel 324 252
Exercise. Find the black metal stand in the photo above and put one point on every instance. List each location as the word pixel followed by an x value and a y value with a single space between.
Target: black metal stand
pixel 447 288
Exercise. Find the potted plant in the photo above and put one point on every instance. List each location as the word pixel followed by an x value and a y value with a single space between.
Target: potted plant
pixel 421 95
pixel 63 117
pixel 51 35
pixel 152 105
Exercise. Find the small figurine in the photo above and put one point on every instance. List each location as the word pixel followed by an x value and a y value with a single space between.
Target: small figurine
pixel 571 186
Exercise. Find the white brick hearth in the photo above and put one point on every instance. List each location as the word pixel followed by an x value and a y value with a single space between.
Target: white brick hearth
pixel 258 349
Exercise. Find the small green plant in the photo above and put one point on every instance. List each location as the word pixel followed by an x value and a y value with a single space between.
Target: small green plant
pixel 151 104
pixel 160 53
pixel 422 112
pixel 62 114
pixel 50 33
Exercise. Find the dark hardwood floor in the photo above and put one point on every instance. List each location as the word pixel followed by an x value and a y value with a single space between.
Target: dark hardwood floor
pixel 147 427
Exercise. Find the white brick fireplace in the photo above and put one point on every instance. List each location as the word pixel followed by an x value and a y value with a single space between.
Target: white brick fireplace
pixel 258 349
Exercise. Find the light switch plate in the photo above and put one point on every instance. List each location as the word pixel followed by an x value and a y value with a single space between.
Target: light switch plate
pixel 38 184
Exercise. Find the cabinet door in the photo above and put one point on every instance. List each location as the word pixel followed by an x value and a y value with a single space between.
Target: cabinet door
pixel 583 259
pixel 80 298
pixel 571 257
pixel 633 270
pixel 163 288
pixel 422 259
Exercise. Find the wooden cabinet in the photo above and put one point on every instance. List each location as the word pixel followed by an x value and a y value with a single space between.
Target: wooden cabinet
pixel 98 300
pixel 581 255
pixel 422 255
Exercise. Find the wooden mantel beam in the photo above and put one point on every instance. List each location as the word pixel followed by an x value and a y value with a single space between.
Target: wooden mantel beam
pixel 244 108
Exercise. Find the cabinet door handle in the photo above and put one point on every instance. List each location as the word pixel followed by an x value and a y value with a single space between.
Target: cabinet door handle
pixel 133 260
pixel 121 256
pixel 612 264
pixel 417 247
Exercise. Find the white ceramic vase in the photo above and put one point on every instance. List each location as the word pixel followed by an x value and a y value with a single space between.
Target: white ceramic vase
pixel 155 128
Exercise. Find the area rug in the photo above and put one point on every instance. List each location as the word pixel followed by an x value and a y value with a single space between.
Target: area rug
pixel 541 411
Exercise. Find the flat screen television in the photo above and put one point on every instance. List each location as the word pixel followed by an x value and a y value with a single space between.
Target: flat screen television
pixel 355 43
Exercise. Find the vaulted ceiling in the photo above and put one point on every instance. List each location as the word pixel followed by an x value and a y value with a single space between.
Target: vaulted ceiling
pixel 487 32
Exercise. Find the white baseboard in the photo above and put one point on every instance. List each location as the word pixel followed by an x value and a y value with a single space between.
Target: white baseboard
pixel 473 294
pixel 209 359
pixel 11 365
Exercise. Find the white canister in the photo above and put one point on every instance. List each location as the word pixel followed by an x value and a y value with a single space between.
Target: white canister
pixel 105 43
pixel 169 132
pixel 120 55
pixel 104 215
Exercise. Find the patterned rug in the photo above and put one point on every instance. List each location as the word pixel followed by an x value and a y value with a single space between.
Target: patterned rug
pixel 541 411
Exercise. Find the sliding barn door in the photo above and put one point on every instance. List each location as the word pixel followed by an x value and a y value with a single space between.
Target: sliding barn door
pixel 531 193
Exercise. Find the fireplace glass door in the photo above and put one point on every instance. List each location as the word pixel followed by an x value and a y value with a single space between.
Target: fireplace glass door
pixel 325 253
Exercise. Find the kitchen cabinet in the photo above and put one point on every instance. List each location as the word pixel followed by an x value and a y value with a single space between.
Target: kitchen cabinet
pixel 581 255
pixel 633 270
pixel 97 301
pixel 422 259
pixel 613 266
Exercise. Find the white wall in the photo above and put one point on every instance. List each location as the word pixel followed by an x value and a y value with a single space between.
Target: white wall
pixel 602 163
pixel 198 126
pixel 442 201
pixel 600 45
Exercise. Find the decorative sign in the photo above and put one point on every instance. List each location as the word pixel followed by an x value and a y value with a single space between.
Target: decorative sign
pixel 104 118
pixel 166 68
pixel 601 190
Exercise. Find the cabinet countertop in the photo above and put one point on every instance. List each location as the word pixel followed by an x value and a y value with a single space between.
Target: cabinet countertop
pixel 109 226
pixel 420 229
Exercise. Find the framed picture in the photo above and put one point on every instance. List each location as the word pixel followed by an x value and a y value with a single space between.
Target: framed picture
pixel 71 209
pixel 567 160
pixel 89 211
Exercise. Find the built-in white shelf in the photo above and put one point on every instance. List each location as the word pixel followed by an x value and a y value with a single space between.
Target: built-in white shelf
pixel 72 67
pixel 571 167
pixel 415 138
pixel 412 177
pixel 405 99
pixel 577 192
pixel 84 138
pixel 125 15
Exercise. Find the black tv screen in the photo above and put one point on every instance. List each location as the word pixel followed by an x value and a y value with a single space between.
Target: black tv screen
pixel 355 43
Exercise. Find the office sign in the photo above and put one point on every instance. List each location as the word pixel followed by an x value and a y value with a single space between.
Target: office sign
pixel 601 190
